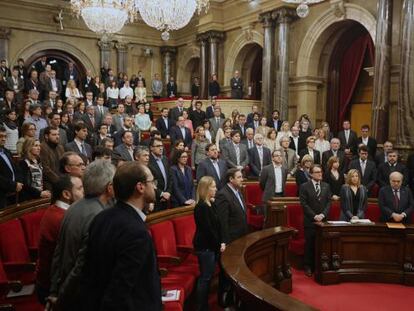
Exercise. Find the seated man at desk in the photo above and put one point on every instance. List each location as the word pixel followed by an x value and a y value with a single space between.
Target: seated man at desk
pixel 396 201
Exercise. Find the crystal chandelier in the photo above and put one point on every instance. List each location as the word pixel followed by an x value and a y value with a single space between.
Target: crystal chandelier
pixel 167 15
pixel 303 9
pixel 105 16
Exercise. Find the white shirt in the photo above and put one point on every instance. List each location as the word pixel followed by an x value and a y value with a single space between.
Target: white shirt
pixel 296 142
pixel 62 205
pixel 126 91
pixel 311 153
pixel 365 141
pixel 317 182
pixel 278 179
pixel 346 136
pixel 112 93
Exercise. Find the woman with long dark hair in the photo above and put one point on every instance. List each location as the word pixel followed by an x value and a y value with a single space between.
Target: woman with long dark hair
pixel 182 180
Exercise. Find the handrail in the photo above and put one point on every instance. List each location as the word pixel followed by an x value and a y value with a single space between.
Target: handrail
pixel 169 214
pixel 18 210
pixel 251 290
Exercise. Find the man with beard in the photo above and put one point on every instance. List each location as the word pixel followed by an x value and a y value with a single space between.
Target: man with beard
pixel 50 153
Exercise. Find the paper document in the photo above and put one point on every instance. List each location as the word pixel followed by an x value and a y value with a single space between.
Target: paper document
pixel 338 222
pixel 171 295
pixel 361 221
pixel 27 290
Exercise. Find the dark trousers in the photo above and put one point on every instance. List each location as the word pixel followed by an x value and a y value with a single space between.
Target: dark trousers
pixel 207 260
pixel 309 257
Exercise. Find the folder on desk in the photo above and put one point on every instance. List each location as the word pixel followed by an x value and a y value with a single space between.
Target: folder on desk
pixel 395 225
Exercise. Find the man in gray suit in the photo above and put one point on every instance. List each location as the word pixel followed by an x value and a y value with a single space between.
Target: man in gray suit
pixel 273 177
pixel 156 86
pixel 290 159
pixel 71 246
pixel 126 149
pixel 236 84
pixel 100 111
pixel 236 153
pixel 216 122
pixel 119 116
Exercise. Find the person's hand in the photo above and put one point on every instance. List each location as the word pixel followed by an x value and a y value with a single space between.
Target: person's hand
pixel 354 218
pixel 166 196
pixel 189 202
pixel 289 175
pixel 335 197
pixel 318 218
pixel 397 217
pixel 167 137
pixel 45 194
pixel 193 167
pixel 50 303
pixel 222 247
pixel 19 187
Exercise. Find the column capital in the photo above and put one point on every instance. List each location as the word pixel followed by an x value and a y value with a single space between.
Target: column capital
pixel 5 33
pixel 284 15
pixel 105 45
pixel 121 46
pixel 168 49
pixel 266 19
pixel 211 36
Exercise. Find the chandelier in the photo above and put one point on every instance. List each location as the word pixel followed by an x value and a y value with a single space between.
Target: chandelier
pixel 105 16
pixel 303 9
pixel 167 15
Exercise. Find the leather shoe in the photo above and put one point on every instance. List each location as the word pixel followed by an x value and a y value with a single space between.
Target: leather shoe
pixel 308 272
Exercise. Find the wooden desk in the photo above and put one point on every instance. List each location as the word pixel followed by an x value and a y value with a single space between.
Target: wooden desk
pixel 257 264
pixel 364 253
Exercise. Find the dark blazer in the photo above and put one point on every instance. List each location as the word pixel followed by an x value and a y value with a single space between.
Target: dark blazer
pixel 118 137
pixel 334 184
pixel 49 86
pixel 328 154
pixel 163 185
pixel 296 147
pixel 301 177
pixel 233 219
pixel 316 155
pixel 254 160
pixel 384 171
pixel 236 86
pixel 313 206
pixel 209 112
pixel 171 89
pixel 100 116
pixel 197 117
pixel 372 147
pixel 72 146
pixel 160 124
pixel 176 134
pixel 387 204
pixel 268 181
pixel 123 152
pixel 195 90
pixel 347 202
pixel 182 185
pixel 206 168
pixel 271 123
pixel 370 175
pixel 10 84
pixel 229 153
pixel 120 271
pixel 213 88
pixel 7 185
pixel 208 233
pixel 241 129
pixel 380 158
pixel 352 141
pixel 174 113
pixel 303 136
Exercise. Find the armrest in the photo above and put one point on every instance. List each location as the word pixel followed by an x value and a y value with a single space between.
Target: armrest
pixel 165 259
pixel 18 267
pixel 185 249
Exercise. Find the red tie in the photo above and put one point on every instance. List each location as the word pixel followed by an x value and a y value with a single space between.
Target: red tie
pixel 396 200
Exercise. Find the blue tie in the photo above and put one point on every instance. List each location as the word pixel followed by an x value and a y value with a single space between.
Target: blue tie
pixel 240 200
pixel 162 169
pixel 6 159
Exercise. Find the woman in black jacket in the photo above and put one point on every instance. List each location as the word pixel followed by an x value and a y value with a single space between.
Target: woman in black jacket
pixel 354 197
pixel 207 239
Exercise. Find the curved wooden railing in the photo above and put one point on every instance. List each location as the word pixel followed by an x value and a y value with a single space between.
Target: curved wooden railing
pixel 258 267
pixel 169 214
pixel 18 210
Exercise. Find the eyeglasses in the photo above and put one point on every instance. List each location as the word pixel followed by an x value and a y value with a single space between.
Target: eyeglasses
pixel 316 172
pixel 154 182
pixel 184 157
pixel 78 165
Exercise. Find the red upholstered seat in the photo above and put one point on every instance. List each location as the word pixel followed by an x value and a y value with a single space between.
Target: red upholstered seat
pixel 253 193
pixel 184 228
pixel 167 146
pixel 295 220
pixel 373 212
pixel 255 221
pixel 335 210
pixel 374 191
pixel 186 281
pixel 145 135
pixel 31 228
pixel 291 189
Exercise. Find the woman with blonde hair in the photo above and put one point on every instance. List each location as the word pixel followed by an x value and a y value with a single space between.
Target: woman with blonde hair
pixel 198 147
pixel 208 240
pixel 284 131
pixel 140 93
pixel 72 91
pixel 262 128
pixel 354 197
pixel 333 177
pixel 302 174
pixel 321 144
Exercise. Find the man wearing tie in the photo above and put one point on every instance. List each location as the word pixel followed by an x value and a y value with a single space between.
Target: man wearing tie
pixel 393 165
pixel 348 138
pixel 249 140
pixel 53 84
pixel 395 200
pixel 365 167
pixel 212 166
pixel 315 198
pixel 236 153
pixel 181 132
pixel 290 159
pixel 259 156
pixel 164 124
pixel 126 149
pixel 177 111
pixel 231 211
pixel 79 144
pixel 100 111
pixel 216 122
pixel 158 164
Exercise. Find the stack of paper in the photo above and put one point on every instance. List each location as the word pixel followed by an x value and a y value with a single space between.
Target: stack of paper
pixel 361 221
pixel 171 295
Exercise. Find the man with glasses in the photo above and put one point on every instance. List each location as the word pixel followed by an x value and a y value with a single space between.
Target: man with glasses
pixel 72 164
pixel 158 164
pixel 50 154
pixel 213 166
pixel 315 198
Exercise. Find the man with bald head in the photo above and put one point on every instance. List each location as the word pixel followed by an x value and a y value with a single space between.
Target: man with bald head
pixel 334 151
pixel 236 84
pixel 395 200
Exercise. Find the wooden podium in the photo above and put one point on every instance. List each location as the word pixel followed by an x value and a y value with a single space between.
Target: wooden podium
pixel 364 253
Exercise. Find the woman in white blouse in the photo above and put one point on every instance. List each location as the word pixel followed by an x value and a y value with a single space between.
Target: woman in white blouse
pixel 321 144
pixel 142 120
pixel 140 93
pixel 270 140
pixel 207 133
pixel 284 131
pixel 112 94
pixel 72 91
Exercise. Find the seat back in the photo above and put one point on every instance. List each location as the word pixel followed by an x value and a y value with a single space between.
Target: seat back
pixel 3 275
pixel 163 236
pixel 253 193
pixel 13 246
pixel 295 218
pixel 31 226
pixel 291 189
pixel 335 210
pixel 184 228
pixel 373 212
pixel 374 191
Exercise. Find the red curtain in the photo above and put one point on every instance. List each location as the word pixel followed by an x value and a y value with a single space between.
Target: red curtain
pixel 350 69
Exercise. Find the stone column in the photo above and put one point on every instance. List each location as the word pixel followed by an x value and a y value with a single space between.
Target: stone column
pixel 203 67
pixel 382 68
pixel 105 51
pixel 283 17
pixel 214 38
pixel 4 44
pixel 405 134
pixel 168 54
pixel 122 50
pixel 268 72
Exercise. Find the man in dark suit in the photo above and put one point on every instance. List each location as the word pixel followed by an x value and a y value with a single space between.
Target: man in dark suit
pixel 210 109
pixel 126 149
pixel 70 74
pixel 164 124
pixel 121 270
pixel 87 82
pixel 171 88
pixel 241 126
pixel 315 198
pixel 79 144
pixel 385 169
pixel 53 84
pixel 88 118
pixel 197 116
pixel 236 85
pixel 365 167
pixel 334 151
pixel 275 122
pixel 100 111
pixel 9 179
pixel 255 110
pixel 127 126
pixel 231 210
pixel 273 178
pixel 368 141
pixel 395 200
pixel 236 153
pixel 259 156
pixel 177 111
pixel 158 164
pixel 382 157
pixel 40 66
pixel 179 131
pixel 22 69
pixel 212 166
pixel 315 154
pixel 8 103
pixel 15 83
pixel 296 140
pixel 348 138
